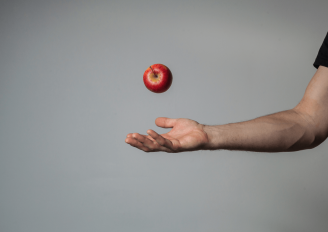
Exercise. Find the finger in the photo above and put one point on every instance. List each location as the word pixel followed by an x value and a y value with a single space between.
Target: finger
pixel 165 122
pixel 153 145
pixel 135 143
pixel 129 135
pixel 160 139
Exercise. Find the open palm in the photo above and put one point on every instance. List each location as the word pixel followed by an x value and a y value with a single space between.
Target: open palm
pixel 186 135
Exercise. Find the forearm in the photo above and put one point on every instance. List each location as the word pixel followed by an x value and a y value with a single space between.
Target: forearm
pixel 279 132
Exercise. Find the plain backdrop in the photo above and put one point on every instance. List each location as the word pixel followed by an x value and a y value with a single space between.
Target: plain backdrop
pixel 71 89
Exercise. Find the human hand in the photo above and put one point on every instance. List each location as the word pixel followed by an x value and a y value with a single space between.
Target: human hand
pixel 186 135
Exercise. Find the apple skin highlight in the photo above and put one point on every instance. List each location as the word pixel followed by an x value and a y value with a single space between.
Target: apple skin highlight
pixel 157 78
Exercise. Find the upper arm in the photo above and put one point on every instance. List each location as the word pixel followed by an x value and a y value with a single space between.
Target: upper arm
pixel 314 105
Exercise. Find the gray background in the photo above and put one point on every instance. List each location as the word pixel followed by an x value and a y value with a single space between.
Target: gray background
pixel 71 89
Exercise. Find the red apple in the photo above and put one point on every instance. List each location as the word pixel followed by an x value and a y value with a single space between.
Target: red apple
pixel 157 78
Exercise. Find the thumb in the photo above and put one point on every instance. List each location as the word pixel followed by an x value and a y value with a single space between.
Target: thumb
pixel 165 122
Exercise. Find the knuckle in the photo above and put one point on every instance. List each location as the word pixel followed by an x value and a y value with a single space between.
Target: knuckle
pixel 154 135
pixel 149 145
pixel 153 146
pixel 161 142
pixel 175 149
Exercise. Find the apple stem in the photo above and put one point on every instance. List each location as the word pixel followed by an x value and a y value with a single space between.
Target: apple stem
pixel 153 71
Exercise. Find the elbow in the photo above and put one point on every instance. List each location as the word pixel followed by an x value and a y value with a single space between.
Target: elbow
pixel 318 138
pixel 318 129
pixel 316 134
pixel 313 132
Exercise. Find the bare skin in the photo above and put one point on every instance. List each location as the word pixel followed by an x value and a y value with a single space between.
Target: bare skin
pixel 186 135
pixel 303 127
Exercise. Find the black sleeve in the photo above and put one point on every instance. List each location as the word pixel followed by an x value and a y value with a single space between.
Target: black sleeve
pixel 322 58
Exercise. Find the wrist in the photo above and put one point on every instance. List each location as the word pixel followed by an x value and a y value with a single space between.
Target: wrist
pixel 213 136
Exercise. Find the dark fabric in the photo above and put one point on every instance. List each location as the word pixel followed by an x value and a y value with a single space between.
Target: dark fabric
pixel 322 58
